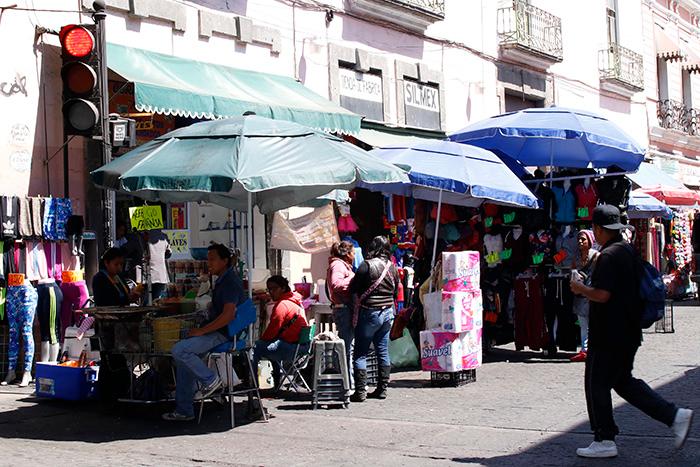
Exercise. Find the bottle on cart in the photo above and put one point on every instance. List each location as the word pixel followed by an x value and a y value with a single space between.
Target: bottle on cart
pixel 64 357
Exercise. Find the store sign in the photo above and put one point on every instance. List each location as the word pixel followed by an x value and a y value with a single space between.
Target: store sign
pixel 146 218
pixel 690 174
pixel 422 105
pixel 179 243
pixel 362 93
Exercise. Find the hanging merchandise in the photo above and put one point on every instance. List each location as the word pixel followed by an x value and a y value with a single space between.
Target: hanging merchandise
pixel 530 330
pixel 586 200
pixel 49 302
pixel 21 304
pixel 565 212
pixel 75 296
pixel 9 217
pixel 346 223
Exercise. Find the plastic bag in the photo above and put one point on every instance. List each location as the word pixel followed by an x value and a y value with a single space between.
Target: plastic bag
pixel 403 352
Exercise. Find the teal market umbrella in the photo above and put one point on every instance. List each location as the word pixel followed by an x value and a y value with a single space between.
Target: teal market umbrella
pixel 278 164
pixel 243 162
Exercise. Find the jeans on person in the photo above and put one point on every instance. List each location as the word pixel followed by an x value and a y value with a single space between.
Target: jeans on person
pixel 191 368
pixel 608 369
pixel 276 351
pixel 342 317
pixel 583 324
pixel 373 327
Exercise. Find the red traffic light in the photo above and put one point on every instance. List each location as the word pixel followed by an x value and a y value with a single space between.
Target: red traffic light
pixel 76 41
pixel 79 78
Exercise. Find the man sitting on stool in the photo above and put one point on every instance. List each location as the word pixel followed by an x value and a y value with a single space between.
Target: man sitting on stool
pixel 228 294
pixel 279 341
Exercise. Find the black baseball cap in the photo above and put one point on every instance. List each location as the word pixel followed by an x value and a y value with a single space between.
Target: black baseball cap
pixel 607 216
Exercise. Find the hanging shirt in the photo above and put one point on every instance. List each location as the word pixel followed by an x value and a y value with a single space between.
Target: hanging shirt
pixel 566 205
pixel 158 251
pixel 586 201
pixel 9 217
pixel 567 246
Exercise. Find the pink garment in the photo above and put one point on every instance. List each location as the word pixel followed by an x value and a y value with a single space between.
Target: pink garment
pixel 346 224
pixel 37 267
pixel 75 296
pixel 53 258
pixel 338 279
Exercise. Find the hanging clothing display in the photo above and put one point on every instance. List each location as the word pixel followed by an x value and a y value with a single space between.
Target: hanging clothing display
pixel 20 305
pixel 49 302
pixel 565 212
pixel 75 296
pixel 586 201
pixel 9 217
pixel 561 320
pixel 530 330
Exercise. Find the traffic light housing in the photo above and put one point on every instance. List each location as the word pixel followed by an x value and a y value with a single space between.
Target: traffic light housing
pixel 80 74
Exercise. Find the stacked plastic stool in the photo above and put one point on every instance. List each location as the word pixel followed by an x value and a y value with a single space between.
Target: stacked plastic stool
pixel 331 377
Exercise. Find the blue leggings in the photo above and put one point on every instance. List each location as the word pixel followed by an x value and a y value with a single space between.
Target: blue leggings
pixel 21 306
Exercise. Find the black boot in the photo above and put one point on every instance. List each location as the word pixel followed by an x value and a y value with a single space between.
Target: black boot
pixel 360 386
pixel 382 383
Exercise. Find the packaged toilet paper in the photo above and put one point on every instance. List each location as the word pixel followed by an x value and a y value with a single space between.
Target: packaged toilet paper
pixel 461 271
pixel 461 311
pixel 432 310
pixel 448 351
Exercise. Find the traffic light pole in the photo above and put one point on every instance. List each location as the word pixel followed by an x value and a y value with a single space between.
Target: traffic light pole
pixel 108 198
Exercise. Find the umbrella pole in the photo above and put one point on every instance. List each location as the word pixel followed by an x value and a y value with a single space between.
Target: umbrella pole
pixel 249 246
pixel 435 239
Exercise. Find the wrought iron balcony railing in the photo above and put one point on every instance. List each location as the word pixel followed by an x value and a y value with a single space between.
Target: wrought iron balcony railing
pixel 436 7
pixel 527 26
pixel 623 65
pixel 676 116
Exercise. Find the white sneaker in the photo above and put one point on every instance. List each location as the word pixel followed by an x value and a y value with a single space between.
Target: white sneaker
pixel 681 426
pixel 598 450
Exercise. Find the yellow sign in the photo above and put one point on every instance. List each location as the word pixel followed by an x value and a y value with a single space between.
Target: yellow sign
pixel 146 218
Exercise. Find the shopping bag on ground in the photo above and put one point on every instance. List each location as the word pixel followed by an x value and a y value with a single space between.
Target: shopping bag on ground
pixel 403 352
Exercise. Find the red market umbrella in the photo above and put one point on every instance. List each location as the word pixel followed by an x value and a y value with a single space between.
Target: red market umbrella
pixel 673 196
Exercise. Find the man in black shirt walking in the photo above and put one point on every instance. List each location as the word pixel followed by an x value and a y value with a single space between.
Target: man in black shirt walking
pixel 614 336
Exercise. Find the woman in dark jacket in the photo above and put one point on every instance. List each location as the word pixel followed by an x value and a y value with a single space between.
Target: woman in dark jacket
pixel 375 286
pixel 108 288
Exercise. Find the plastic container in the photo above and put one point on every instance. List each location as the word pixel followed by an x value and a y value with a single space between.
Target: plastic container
pixel 304 289
pixel 67 383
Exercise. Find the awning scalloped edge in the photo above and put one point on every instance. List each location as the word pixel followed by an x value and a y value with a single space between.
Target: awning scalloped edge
pixel 210 116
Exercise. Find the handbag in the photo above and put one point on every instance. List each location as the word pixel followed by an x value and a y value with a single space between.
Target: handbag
pixel 368 292
pixel 401 320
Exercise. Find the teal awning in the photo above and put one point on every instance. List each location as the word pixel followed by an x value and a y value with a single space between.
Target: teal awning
pixel 171 85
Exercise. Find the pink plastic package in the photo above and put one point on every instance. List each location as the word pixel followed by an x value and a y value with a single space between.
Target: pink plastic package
pixel 460 271
pixel 461 311
pixel 449 351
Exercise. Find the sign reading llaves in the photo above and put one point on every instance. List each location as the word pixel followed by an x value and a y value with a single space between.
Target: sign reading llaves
pixel 362 93
pixel 422 105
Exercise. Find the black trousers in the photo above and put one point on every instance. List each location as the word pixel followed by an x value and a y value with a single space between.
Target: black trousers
pixel 559 309
pixel 611 369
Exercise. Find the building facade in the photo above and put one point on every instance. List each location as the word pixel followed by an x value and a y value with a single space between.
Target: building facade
pixel 417 67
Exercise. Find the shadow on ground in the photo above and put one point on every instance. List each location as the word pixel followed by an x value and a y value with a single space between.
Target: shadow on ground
pixel 633 442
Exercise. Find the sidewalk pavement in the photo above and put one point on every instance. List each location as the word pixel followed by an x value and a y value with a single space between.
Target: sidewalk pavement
pixel 522 411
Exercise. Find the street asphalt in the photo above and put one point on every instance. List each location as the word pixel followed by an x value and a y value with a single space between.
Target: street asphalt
pixel 523 410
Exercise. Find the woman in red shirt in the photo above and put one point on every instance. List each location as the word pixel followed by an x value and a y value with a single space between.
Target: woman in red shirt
pixel 279 341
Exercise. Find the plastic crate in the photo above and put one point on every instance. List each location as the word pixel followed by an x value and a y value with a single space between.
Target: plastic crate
pixel 453 379
pixel 63 382
pixel 665 324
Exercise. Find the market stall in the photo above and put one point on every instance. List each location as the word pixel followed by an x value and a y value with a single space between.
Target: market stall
pixel 241 163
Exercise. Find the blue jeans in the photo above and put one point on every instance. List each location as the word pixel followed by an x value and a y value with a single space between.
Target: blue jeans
pixel 373 327
pixel 191 368
pixel 342 317
pixel 275 351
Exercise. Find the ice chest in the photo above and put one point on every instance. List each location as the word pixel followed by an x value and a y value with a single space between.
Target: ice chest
pixel 64 382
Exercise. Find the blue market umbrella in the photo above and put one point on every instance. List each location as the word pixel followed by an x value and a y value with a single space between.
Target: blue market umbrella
pixel 453 173
pixel 459 174
pixel 642 205
pixel 555 136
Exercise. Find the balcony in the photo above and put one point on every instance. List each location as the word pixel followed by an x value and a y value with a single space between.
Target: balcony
pixel 676 116
pixel 415 15
pixel 530 35
pixel 621 70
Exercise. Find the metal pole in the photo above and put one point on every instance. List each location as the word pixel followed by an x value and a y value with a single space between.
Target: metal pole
pixel 435 239
pixel 249 246
pixel 108 197
pixel 66 176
